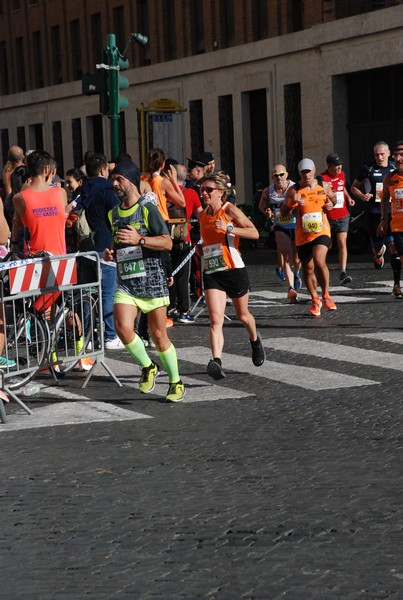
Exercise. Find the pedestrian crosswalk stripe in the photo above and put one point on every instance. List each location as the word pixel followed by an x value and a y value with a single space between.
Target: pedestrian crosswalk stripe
pixel 332 351
pixel 70 413
pixel 392 337
pixel 309 378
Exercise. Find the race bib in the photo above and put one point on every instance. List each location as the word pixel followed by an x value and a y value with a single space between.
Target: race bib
pixel 130 262
pixel 378 191
pixel 312 222
pixel 214 259
pixel 399 200
pixel 283 221
pixel 339 200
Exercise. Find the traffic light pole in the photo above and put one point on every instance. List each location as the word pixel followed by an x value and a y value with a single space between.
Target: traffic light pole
pixel 113 84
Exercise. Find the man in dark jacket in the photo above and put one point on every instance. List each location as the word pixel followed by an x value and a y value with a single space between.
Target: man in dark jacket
pixel 98 198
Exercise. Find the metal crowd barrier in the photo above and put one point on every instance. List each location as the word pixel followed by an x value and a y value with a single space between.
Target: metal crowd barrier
pixel 50 321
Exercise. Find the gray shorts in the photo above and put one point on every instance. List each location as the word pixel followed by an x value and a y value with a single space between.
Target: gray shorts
pixel 340 225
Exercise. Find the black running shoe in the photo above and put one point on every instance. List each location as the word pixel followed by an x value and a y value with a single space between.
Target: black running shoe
pixel 258 351
pixel 214 369
pixel 344 278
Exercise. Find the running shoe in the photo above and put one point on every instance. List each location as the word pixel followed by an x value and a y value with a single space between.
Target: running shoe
pixel 6 363
pixel 280 273
pixel 85 364
pixel 176 392
pixel 186 318
pixel 379 260
pixel 316 305
pixel 115 344
pixel 215 370
pixel 54 360
pixel 292 296
pixel 169 322
pixel 258 351
pixel 329 303
pixel 148 377
pixel 297 282
pixel 397 292
pixel 344 278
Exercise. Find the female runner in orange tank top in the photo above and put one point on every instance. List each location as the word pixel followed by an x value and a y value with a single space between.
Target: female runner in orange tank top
pixel 224 273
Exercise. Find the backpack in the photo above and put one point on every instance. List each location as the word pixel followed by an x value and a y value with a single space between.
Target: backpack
pixel 79 235
pixel 177 223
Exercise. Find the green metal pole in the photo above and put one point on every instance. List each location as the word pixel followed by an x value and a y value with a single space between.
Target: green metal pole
pixel 113 80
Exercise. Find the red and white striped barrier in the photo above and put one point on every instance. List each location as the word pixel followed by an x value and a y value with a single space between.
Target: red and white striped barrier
pixel 42 275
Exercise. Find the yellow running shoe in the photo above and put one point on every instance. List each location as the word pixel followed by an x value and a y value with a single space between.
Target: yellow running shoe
pixel 176 392
pixel 148 377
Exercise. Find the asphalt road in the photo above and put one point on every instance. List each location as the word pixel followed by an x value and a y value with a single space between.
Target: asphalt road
pixel 278 482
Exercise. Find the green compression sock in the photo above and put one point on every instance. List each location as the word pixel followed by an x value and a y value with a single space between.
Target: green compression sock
pixel 170 363
pixel 138 351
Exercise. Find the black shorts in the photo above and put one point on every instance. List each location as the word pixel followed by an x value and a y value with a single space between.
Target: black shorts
pixel 234 282
pixel 289 232
pixel 339 225
pixel 305 250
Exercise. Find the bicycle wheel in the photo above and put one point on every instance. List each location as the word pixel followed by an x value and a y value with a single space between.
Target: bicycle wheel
pixel 73 330
pixel 27 344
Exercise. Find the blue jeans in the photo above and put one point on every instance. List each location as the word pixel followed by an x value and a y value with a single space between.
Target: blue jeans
pixel 108 286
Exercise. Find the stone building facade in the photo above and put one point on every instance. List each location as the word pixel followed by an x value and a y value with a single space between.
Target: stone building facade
pixel 255 82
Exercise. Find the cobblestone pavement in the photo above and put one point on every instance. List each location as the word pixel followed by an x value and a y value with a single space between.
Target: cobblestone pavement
pixel 283 482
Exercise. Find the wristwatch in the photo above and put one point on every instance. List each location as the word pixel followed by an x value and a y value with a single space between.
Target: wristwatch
pixel 142 241
pixel 230 227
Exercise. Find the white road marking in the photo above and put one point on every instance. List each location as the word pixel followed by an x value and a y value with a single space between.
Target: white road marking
pixel 69 413
pixel 393 337
pixel 349 354
pixel 308 378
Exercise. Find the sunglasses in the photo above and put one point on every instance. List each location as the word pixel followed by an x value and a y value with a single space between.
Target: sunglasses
pixel 208 190
pixel 278 174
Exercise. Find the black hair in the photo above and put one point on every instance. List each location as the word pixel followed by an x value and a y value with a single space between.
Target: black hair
pixel 94 163
pixel 76 173
pixel 155 159
pixel 37 161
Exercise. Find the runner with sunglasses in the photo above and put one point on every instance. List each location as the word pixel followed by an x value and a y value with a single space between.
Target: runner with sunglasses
pixel 284 228
pixel 224 272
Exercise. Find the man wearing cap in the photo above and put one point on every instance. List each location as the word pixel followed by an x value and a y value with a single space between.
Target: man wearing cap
pixel 392 194
pixel 209 161
pixel 339 216
pixel 139 237
pixel 374 175
pixel 196 168
pixel 97 198
pixel 312 198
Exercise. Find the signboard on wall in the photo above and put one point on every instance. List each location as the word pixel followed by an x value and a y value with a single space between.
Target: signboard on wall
pixel 161 126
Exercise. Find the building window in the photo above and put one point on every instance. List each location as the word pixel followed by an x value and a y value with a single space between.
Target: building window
pixel 77 139
pixel 295 15
pixel 1 8
pixel 96 37
pixel 349 8
pixel 36 136
pixel 260 19
pixel 75 48
pixel 142 20
pixel 196 127
pixel 197 26
pixel 227 151
pixel 95 133
pixel 21 141
pixel 58 146
pixel 15 4
pixel 20 59
pixel 168 11
pixel 227 23
pixel 5 144
pixel 56 55
pixel 4 83
pixel 118 17
pixel 37 58
pixel 293 127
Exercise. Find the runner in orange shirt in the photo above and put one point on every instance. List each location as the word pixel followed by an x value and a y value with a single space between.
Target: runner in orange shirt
pixel 393 193
pixel 312 197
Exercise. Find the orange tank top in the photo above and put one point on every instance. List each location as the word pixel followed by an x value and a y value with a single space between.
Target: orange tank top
pixel 156 186
pixel 46 220
pixel 220 249
pixel 396 194
pixel 311 218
